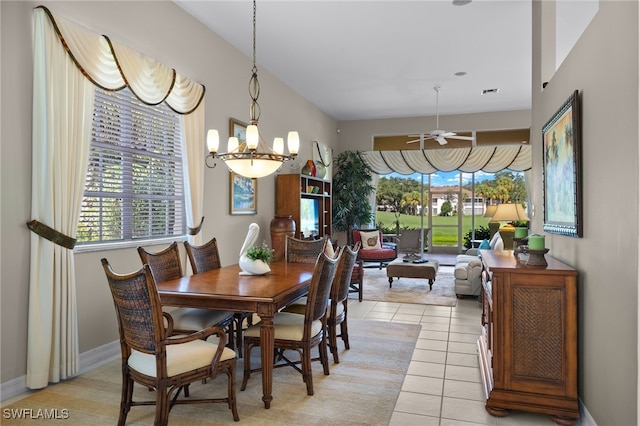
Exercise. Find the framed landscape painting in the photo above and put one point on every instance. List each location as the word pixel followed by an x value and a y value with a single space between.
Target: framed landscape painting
pixel 562 170
pixel 244 194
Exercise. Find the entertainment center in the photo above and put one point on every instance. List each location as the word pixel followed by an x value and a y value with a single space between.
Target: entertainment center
pixel 308 200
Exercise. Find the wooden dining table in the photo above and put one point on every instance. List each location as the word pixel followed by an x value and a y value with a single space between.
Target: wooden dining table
pixel 224 288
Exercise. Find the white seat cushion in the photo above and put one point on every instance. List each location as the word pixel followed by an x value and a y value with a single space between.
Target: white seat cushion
pixel 180 358
pixel 197 319
pixel 287 326
pixel 460 272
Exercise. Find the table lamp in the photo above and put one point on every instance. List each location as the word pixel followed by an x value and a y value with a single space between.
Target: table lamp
pixel 509 212
pixel 493 225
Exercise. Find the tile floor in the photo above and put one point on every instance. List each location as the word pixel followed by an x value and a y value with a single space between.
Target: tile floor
pixel 442 386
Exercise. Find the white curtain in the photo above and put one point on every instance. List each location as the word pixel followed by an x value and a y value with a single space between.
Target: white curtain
pixel 68 61
pixel 490 159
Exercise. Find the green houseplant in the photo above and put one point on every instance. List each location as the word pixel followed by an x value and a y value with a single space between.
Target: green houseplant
pixel 351 190
pixel 263 253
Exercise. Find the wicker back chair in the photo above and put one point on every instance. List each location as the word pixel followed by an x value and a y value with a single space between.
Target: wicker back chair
pixel 165 265
pixel 153 359
pixel 303 251
pixel 299 332
pixel 337 311
pixel 205 258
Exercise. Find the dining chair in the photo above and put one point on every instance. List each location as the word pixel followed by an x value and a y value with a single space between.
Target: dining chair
pixel 299 332
pixel 337 310
pixel 204 258
pixel 357 279
pixel 165 265
pixel 303 251
pixel 338 301
pixel 153 357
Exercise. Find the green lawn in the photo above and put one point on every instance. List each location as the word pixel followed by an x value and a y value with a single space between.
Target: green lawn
pixel 445 232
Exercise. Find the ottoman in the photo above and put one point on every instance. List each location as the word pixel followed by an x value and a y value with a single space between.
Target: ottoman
pixel 413 269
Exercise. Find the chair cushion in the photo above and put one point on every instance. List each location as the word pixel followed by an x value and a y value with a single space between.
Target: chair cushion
pixel 381 254
pixel 180 358
pixel 460 271
pixel 287 326
pixel 197 319
pixel 484 245
pixel 370 240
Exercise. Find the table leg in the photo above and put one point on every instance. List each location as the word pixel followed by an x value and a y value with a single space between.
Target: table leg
pixel 267 337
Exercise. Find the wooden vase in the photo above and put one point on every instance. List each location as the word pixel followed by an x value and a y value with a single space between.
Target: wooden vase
pixel 281 226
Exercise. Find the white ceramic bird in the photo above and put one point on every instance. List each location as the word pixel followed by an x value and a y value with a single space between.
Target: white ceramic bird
pixel 250 266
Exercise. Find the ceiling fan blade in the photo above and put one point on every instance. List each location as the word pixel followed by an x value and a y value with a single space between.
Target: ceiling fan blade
pixel 463 138
pixel 441 140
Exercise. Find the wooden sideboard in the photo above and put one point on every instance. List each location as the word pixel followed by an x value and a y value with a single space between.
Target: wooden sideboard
pixel 528 346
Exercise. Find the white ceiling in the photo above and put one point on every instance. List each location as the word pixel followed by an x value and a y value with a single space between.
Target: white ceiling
pixel 381 59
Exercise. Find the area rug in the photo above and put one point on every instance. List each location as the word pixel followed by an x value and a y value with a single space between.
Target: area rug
pixel 410 290
pixel 361 390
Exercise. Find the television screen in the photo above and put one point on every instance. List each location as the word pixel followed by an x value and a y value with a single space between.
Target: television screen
pixel 309 217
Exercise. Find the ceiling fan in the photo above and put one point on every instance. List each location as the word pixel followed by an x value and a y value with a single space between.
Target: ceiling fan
pixel 439 135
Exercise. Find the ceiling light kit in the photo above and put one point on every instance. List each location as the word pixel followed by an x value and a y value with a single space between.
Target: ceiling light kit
pixel 244 157
pixel 439 135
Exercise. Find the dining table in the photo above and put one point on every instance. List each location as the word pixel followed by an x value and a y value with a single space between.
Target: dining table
pixel 227 289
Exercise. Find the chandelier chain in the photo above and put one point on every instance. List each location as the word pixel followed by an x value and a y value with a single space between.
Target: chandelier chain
pixel 254 85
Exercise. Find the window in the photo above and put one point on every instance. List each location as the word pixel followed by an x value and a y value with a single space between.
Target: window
pixel 134 186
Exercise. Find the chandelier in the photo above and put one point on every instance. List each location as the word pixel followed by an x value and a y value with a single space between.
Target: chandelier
pixel 253 157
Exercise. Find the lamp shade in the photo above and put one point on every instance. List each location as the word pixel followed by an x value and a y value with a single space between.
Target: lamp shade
pixel 253 168
pixel 490 211
pixel 508 212
pixel 213 140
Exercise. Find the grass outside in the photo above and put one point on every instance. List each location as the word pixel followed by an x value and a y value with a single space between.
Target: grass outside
pixel 445 228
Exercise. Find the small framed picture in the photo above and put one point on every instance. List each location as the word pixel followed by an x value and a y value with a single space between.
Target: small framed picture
pixel 244 194
pixel 238 129
pixel 562 170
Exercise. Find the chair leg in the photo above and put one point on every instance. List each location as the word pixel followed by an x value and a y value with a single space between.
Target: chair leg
pixel 126 398
pixel 247 364
pixel 333 341
pixel 324 357
pixel 231 389
pixel 307 374
pixel 344 333
pixel 162 406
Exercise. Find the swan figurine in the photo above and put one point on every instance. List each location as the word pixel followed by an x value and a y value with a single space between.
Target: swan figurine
pixel 250 266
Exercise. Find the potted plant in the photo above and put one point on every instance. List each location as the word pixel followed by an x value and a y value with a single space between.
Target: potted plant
pixel 351 190
pixel 263 253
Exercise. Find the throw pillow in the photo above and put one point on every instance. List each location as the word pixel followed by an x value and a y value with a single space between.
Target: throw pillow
pixel 370 240
pixel 484 245
pixel 328 249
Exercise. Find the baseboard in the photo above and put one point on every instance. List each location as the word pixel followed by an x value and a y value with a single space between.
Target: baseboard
pixel 88 361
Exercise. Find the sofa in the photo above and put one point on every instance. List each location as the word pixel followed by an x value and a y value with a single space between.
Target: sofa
pixel 468 269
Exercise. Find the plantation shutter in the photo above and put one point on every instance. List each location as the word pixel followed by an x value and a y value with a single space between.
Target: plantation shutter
pixel 134 185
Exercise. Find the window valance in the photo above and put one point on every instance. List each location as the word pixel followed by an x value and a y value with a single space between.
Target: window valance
pixel 112 66
pixel 490 159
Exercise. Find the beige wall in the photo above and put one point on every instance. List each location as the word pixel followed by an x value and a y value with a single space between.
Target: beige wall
pixel 161 30
pixel 603 66
pixel 358 135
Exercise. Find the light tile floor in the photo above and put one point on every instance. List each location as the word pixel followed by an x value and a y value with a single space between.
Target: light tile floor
pixel 442 386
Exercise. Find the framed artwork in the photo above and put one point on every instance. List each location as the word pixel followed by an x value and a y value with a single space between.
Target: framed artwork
pixel 238 129
pixel 562 170
pixel 244 194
